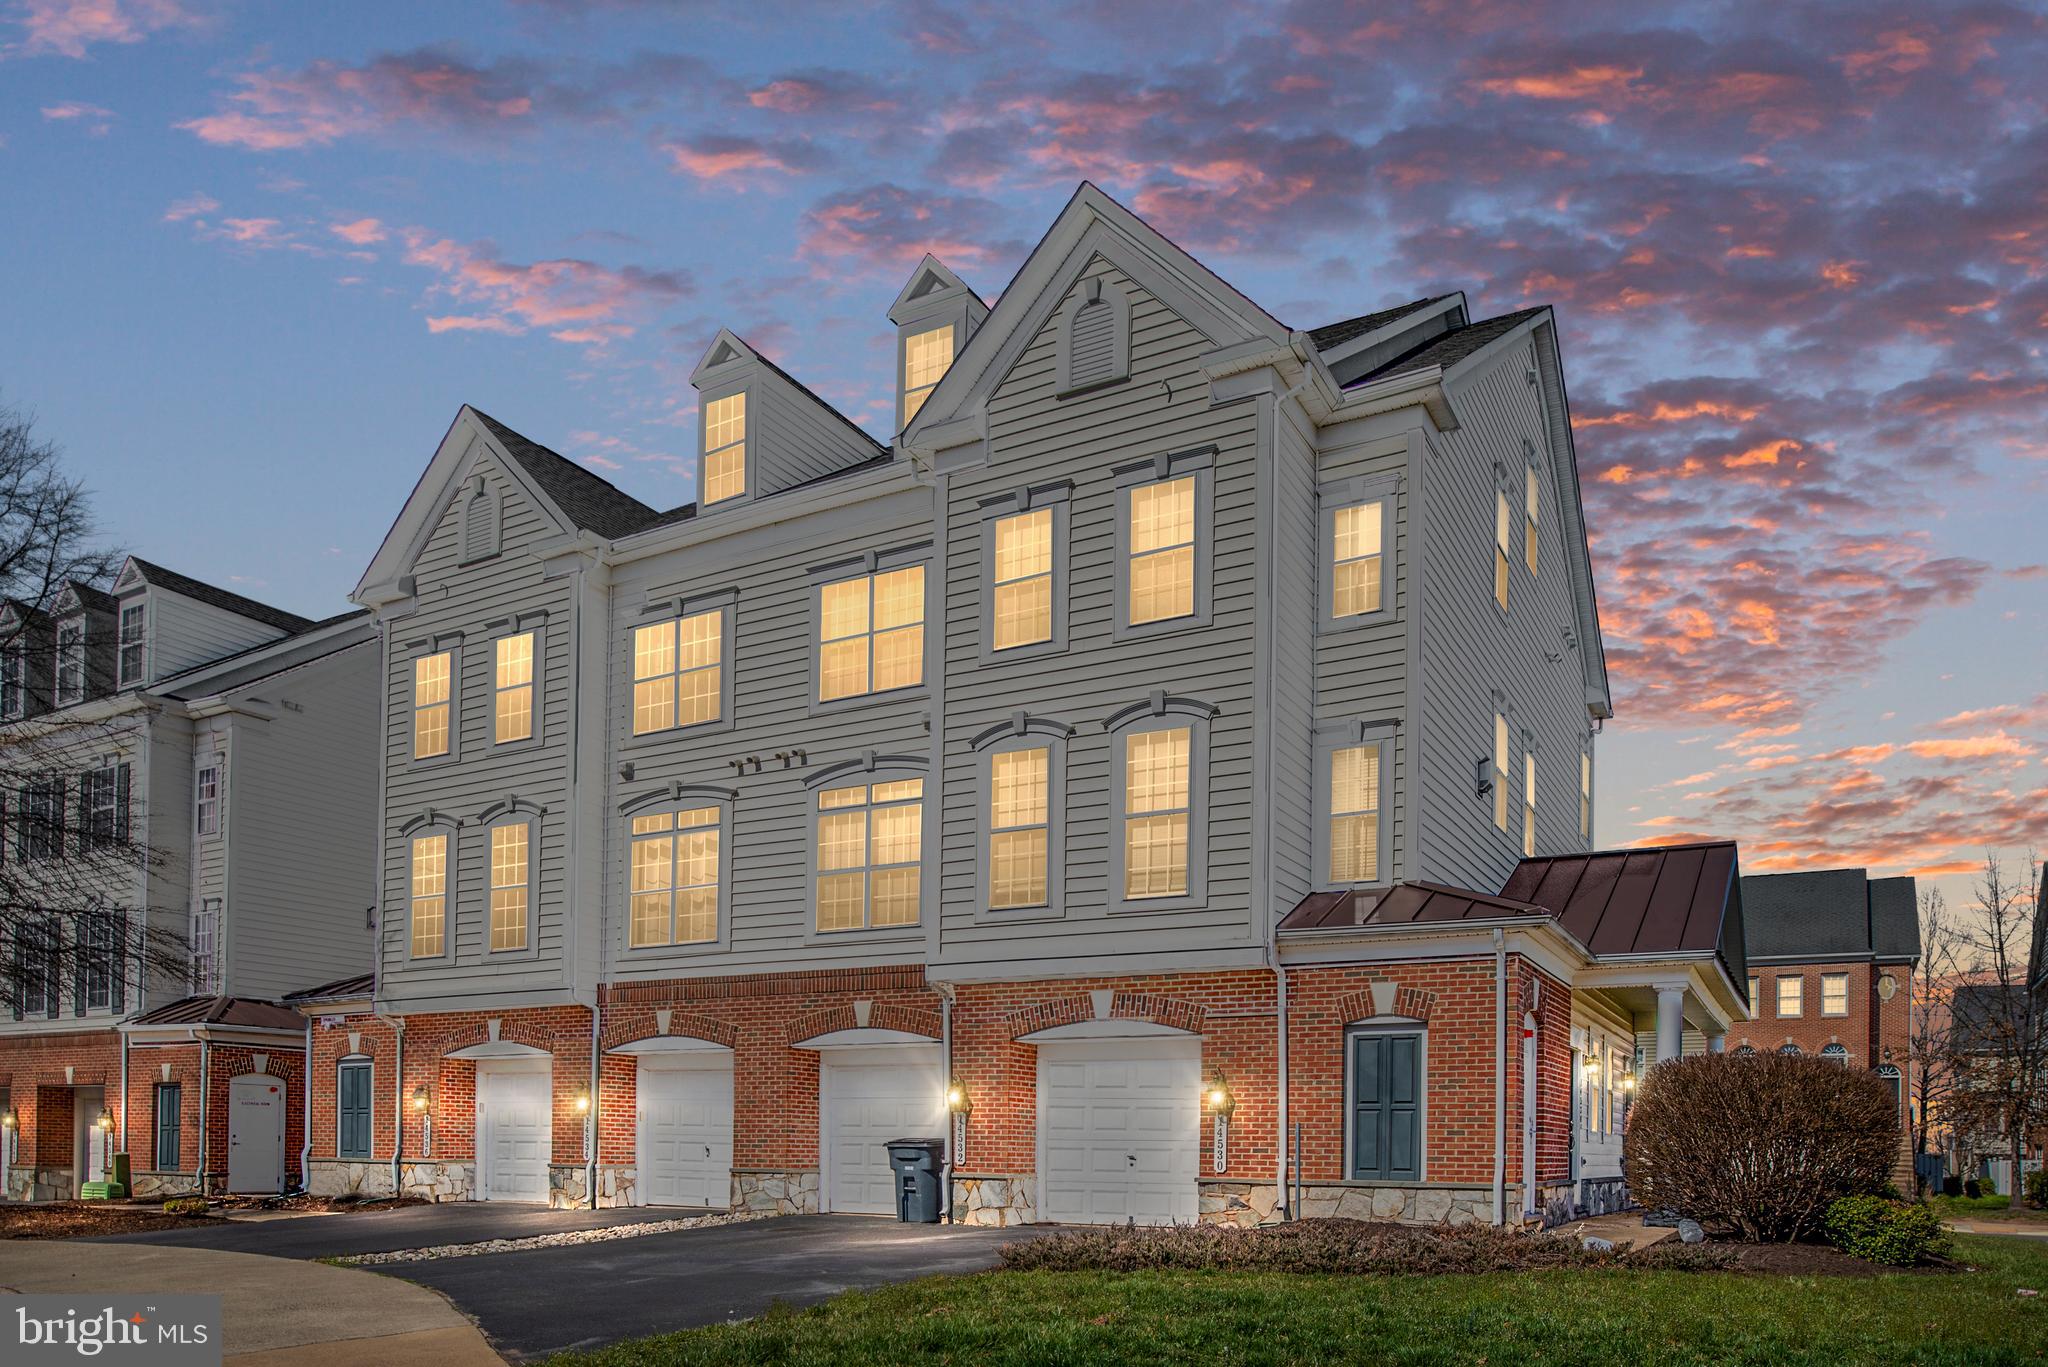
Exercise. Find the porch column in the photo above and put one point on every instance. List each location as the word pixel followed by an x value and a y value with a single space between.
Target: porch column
pixel 1717 1044
pixel 1670 1022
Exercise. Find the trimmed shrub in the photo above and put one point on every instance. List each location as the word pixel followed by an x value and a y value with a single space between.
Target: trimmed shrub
pixel 1759 1144
pixel 1973 1188
pixel 185 1205
pixel 1881 1231
pixel 1987 1186
pixel 2037 1189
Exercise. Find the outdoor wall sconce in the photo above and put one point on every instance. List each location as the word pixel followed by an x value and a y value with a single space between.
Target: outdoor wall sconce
pixel 583 1103
pixel 7 1120
pixel 959 1105
pixel 1627 1081
pixel 420 1102
pixel 419 1098
pixel 106 1121
pixel 1221 1104
pixel 956 1099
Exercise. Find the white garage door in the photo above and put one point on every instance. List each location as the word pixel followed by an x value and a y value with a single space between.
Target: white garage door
pixel 685 1133
pixel 514 1119
pixel 867 1097
pixel 1119 1131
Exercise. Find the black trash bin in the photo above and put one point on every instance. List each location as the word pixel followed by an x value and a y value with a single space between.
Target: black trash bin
pixel 917 1163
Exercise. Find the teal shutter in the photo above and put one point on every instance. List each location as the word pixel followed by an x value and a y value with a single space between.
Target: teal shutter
pixel 1386 1107
pixel 169 1096
pixel 352 1111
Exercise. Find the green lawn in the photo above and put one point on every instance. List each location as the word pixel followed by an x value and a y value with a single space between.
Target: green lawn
pixel 1983 1208
pixel 1509 1318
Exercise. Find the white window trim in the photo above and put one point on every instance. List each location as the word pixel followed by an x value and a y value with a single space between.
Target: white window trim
pixel 1528 804
pixel 218 765
pixel 1023 732
pixel 725 602
pixel 141 643
pixel 536 624
pixel 1778 996
pixel 1385 490
pixel 217 908
pixel 15 654
pixel 1059 498
pixel 449 643
pixel 1111 292
pixel 1501 580
pixel 868 565
pixel 1387 1026
pixel 66 697
pixel 1158 713
pixel 681 797
pixel 945 323
pixel 1331 737
pixel 426 824
pixel 1826 1014
pixel 1200 463
pixel 749 467
pixel 870 768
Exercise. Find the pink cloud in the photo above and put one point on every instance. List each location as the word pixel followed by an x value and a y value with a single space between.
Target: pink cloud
pixel 578 301
pixel 68 28
pixel 95 119
pixel 254 232
pixel 191 206
pixel 362 231
pixel 1971 747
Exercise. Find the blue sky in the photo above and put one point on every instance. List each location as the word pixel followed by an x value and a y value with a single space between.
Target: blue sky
pixel 255 255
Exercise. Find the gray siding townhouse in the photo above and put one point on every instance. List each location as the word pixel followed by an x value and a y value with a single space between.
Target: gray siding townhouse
pixel 1164 772
pixel 196 783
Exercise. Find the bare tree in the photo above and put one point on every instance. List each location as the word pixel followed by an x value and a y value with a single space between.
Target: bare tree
pixel 1930 1016
pixel 75 867
pixel 2001 1027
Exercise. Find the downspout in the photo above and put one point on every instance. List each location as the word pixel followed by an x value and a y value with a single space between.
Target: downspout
pixel 1280 1148
pixel 590 1133
pixel 124 1082
pixel 397 1024
pixel 952 1118
pixel 306 1115
pixel 1500 1076
pixel 205 1086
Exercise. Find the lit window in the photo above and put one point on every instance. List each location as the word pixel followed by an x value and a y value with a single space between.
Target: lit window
pixel 1156 810
pixel 1531 503
pixel 208 800
pixel 1790 993
pixel 1500 549
pixel 870 855
pixel 925 358
pixel 70 662
pixel 204 944
pixel 675 878
pixel 871 634
pixel 1585 794
pixel 676 672
pixel 1755 994
pixel 510 875
pixel 1023 579
pixel 1019 820
pixel 1356 552
pixel 429 894
pixel 1500 771
pixel 1162 551
pixel 725 448
pixel 1528 804
pixel 1834 994
pixel 513 704
pixel 133 643
pixel 431 676
pixel 1355 814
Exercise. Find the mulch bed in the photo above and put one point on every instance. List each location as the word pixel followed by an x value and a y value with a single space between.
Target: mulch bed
pixel 1815 1260
pixel 86 1219
pixel 314 1203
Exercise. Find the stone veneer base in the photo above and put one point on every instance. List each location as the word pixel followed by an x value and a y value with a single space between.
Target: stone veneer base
pixel 350 1177
pixel 995 1201
pixel 775 1191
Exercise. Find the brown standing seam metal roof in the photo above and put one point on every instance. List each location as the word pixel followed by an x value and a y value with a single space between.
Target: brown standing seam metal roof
pixel 1404 904
pixel 341 989
pixel 230 1011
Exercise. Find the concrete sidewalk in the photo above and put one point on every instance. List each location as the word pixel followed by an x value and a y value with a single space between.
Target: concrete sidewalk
pixel 2014 1229
pixel 275 1312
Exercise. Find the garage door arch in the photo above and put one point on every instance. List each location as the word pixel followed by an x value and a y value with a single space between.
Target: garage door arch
pixel 1119 1123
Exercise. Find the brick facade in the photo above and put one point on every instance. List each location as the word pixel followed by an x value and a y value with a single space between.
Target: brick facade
pixel 41 1074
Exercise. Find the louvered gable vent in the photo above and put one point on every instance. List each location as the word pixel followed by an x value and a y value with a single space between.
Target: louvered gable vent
pixel 1095 344
pixel 480 523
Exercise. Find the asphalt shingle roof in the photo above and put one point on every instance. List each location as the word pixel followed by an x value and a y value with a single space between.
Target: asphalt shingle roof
pixel 585 499
pixel 156 576
pixel 1831 913
pixel 1336 334
pixel 1446 349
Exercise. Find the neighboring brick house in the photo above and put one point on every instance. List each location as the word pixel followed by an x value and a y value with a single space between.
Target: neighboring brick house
pixel 162 735
pixel 1088 776
pixel 1831 961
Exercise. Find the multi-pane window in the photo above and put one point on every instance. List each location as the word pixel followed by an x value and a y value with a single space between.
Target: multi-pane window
pixel 1528 804
pixel 1585 795
pixel 1023 579
pixel 206 800
pixel 429 894
pixel 70 661
pixel 926 355
pixel 1357 541
pixel 170 1121
pixel 1019 824
pixel 1835 1053
pixel 1157 806
pixel 1355 814
pixel 1791 993
pixel 133 642
pixel 512 692
pixel 1500 549
pixel 1500 771
pixel 99 807
pixel 871 633
pixel 1834 994
pixel 675 878
pixel 204 942
pixel 1756 1001
pixel 725 448
pixel 13 681
pixel 1162 551
pixel 432 689
pixel 38 967
pixel 870 854
pixel 98 960
pixel 677 672
pixel 39 820
pixel 511 875
pixel 1532 503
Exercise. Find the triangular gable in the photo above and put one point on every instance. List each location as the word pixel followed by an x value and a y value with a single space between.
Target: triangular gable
pixel 929 279
pixel 725 348
pixel 131 577
pixel 1092 224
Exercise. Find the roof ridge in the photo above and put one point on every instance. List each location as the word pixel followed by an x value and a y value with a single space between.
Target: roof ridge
pixel 182 583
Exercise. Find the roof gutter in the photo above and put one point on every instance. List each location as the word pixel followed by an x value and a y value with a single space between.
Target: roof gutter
pixel 1424 387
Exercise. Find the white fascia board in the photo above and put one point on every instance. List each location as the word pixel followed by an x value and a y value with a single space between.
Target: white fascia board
pixel 840 492
pixel 1422 388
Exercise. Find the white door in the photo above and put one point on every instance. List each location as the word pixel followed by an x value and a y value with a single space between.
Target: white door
pixel 867 1097
pixel 514 1122
pixel 685 1132
pixel 89 1142
pixel 1119 1131
pixel 256 1133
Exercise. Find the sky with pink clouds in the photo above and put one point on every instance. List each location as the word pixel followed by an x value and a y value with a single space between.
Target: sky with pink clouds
pixel 253 255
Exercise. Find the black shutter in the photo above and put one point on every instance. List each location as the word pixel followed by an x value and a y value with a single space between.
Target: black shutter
pixel 121 773
pixel 21 967
pixel 83 805
pixel 52 969
pixel 118 967
pixel 81 960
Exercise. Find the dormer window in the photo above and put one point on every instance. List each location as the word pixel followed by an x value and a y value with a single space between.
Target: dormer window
pixel 134 621
pixel 71 661
pixel 13 681
pixel 926 355
pixel 725 449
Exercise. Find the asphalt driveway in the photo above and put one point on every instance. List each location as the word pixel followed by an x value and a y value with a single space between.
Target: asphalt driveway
pixel 384 1231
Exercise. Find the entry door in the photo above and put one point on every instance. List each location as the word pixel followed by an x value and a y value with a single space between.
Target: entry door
pixel 256 1134
pixel 867 1098
pixel 1120 1131
pixel 685 1134
pixel 515 1115
pixel 88 1143
pixel 1386 1108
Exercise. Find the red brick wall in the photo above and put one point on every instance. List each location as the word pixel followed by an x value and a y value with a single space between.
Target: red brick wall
pixel 229 1061
pixel 1871 1026
pixel 330 1046
pixel 32 1070
pixel 145 1071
